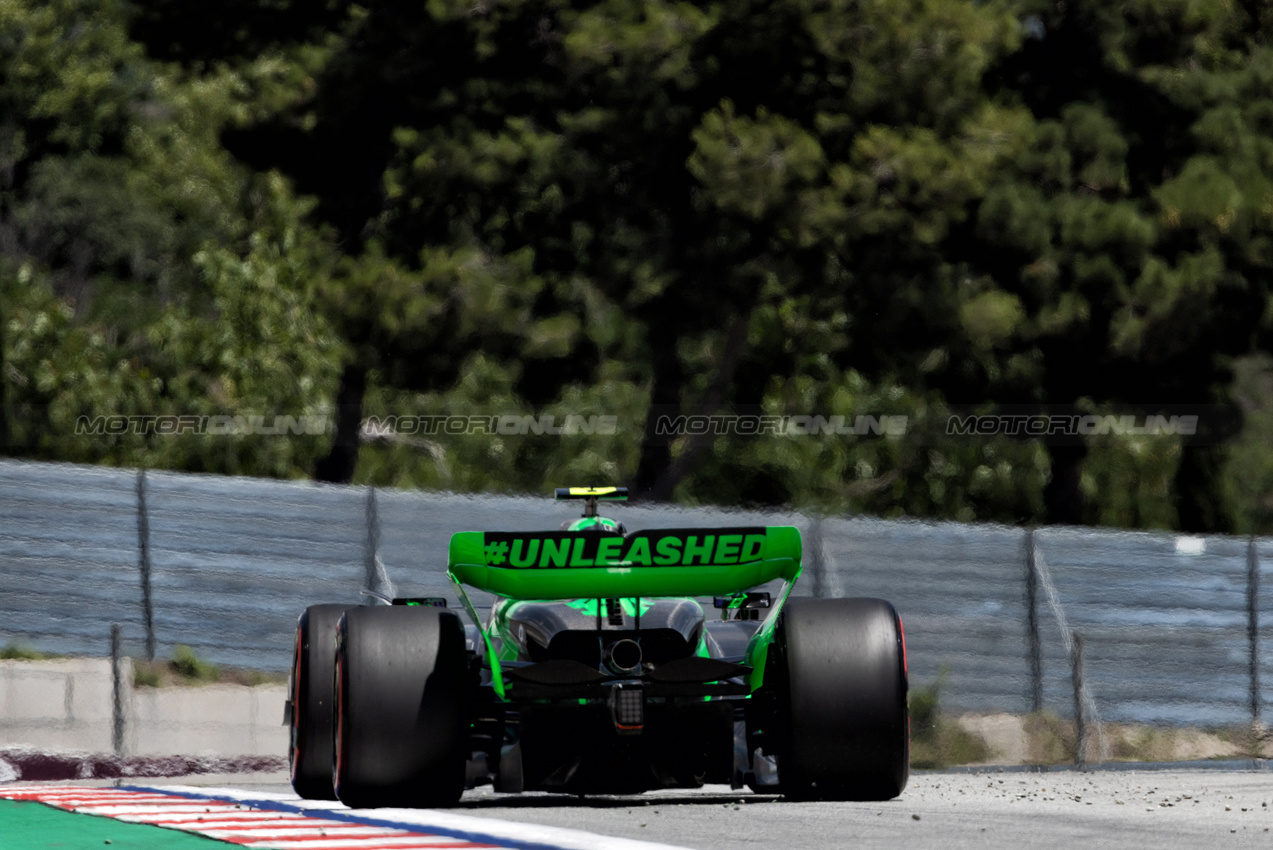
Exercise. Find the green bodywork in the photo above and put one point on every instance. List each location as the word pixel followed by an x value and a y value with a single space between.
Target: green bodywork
pixel 545 566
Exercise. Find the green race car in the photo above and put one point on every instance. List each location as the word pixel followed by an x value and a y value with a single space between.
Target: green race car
pixel 599 672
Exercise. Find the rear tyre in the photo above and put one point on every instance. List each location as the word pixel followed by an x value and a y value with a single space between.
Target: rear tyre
pixel 312 704
pixel 403 692
pixel 842 701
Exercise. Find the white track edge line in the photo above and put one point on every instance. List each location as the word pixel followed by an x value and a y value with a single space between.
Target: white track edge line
pixel 492 829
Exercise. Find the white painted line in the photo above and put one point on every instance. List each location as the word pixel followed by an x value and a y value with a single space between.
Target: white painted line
pixel 258 824
pixel 115 809
pixel 403 841
pixel 228 817
pixel 73 802
pixel 552 836
pixel 266 831
pixel 477 829
pixel 119 795
pixel 417 843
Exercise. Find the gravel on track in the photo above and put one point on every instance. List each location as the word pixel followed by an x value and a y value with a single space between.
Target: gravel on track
pixel 1120 810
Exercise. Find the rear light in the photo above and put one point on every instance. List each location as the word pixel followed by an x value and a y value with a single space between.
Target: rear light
pixel 627 707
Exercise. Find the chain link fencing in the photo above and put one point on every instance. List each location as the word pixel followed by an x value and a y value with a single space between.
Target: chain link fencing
pixel 1170 626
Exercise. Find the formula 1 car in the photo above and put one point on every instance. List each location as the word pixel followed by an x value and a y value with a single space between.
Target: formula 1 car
pixel 598 672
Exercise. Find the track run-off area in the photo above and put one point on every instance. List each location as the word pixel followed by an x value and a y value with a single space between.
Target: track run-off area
pixel 1129 809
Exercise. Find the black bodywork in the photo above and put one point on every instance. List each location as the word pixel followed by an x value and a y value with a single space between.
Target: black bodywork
pixel 561 727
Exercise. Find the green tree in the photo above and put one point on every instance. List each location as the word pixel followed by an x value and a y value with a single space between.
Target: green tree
pixel 1126 266
pixel 689 170
pixel 145 271
pixel 748 206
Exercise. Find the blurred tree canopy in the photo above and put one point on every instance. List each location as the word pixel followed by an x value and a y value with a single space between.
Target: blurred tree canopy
pixel 865 211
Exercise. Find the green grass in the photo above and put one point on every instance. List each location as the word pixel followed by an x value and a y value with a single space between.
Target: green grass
pixel 189 666
pixel 35 826
pixel 252 678
pixel 145 675
pixel 186 668
pixel 18 652
pixel 936 740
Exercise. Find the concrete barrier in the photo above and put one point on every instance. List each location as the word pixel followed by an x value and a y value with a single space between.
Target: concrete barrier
pixel 67 705
pixel 209 720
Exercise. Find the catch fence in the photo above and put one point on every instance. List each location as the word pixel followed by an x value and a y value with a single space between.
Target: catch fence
pixel 1173 628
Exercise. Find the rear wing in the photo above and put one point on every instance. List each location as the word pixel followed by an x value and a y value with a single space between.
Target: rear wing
pixel 656 562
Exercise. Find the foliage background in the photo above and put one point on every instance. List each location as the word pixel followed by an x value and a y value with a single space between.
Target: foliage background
pixel 800 207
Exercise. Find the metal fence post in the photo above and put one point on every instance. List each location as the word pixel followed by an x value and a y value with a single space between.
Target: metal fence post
pixel 117 691
pixel 143 557
pixel 817 565
pixel 1035 649
pixel 371 545
pixel 1080 715
pixel 1253 623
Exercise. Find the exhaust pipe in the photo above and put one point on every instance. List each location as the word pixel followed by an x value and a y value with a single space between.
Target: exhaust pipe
pixel 622 657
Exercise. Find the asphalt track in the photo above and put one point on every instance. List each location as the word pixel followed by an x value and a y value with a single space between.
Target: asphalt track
pixel 1124 809
pixel 1120 810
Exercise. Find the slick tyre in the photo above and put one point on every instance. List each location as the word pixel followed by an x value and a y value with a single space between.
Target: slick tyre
pixel 312 702
pixel 403 692
pixel 842 701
